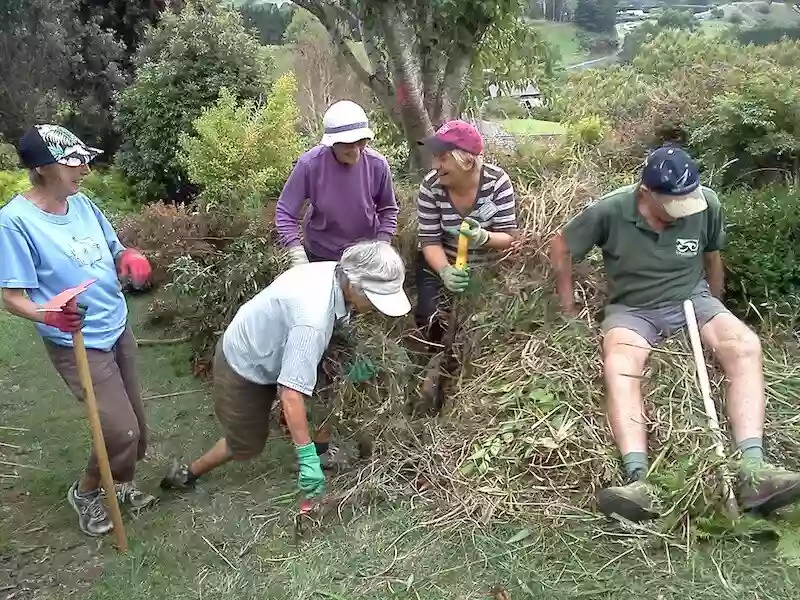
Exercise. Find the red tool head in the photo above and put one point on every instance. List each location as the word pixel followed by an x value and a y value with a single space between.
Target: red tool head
pixel 57 302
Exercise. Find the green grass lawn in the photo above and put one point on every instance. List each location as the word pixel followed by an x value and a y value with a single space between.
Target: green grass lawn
pixel 233 538
pixel 532 127
pixel 564 37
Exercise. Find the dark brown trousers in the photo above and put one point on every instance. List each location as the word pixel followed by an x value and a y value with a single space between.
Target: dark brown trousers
pixel 118 390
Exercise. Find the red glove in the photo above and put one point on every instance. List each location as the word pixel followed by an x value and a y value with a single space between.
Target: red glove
pixel 69 320
pixel 135 267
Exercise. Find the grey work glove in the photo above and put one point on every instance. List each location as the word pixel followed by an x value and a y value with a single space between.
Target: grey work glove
pixel 298 255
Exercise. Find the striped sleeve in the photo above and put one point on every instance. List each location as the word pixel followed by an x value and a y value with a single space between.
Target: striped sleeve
pixel 429 218
pixel 505 219
pixel 301 357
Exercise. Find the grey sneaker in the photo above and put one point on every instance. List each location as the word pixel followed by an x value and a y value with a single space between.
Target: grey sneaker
pixel 132 497
pixel 633 501
pixel 92 516
pixel 337 458
pixel 177 477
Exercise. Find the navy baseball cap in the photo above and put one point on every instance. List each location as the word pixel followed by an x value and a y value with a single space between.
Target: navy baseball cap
pixel 44 145
pixel 671 174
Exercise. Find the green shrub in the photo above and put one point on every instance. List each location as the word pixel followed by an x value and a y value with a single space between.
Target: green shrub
pixel 240 154
pixel 764 9
pixel 207 294
pixel 8 157
pixel 762 252
pixel 588 131
pixel 182 66
pixel 165 232
pixel 390 142
pixel 504 107
pixel 736 18
pixel 110 191
pixel 756 130
pixel 717 13
pixel 12 183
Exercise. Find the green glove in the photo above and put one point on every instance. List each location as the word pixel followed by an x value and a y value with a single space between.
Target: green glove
pixel 310 479
pixel 477 235
pixel 361 369
pixel 454 279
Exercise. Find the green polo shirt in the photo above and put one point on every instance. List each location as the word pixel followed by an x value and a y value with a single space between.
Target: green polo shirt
pixel 645 268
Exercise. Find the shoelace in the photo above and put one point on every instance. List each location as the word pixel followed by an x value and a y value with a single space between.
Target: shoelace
pixel 127 491
pixel 95 509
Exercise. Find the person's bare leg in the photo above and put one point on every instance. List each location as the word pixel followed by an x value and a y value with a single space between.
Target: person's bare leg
pixel 763 488
pixel 625 353
pixel 88 483
pixel 218 455
pixel 738 351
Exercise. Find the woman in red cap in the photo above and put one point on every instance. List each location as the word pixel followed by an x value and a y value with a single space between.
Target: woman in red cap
pixel 53 238
pixel 460 187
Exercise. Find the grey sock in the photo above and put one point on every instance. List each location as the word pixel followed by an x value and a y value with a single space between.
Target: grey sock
pixel 635 461
pixel 752 450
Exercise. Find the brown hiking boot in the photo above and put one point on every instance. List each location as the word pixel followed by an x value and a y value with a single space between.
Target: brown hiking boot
pixel 768 488
pixel 633 501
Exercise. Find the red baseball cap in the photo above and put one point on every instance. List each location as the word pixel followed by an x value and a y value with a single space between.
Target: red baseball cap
pixel 454 135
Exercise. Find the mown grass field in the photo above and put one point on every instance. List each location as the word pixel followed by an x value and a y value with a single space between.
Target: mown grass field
pixel 233 538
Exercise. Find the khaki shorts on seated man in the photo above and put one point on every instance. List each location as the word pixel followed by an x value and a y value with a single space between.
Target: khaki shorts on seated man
pixel 661 241
pixel 272 350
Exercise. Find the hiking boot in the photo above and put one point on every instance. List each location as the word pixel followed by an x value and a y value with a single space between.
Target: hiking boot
pixel 633 501
pixel 92 516
pixel 337 458
pixel 131 496
pixel 768 488
pixel 178 477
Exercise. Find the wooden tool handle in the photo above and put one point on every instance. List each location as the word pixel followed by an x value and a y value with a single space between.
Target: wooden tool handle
pixel 463 246
pixel 99 442
pixel 708 403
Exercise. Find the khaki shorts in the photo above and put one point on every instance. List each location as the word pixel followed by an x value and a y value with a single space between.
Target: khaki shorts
pixel 242 407
pixel 656 324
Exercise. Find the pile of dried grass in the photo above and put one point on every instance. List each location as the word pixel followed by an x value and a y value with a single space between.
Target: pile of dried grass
pixel 524 435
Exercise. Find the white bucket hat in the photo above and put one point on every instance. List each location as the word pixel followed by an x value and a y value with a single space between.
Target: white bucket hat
pixel 345 122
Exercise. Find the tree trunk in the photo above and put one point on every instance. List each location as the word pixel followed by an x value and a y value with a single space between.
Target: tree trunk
pixel 417 79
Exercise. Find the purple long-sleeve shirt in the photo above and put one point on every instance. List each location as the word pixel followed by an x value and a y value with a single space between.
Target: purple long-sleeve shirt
pixel 347 203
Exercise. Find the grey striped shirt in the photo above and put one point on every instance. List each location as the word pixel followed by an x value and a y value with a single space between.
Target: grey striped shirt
pixel 280 335
pixel 494 209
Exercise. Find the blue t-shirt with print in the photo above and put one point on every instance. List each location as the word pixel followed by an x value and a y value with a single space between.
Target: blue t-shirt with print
pixel 45 254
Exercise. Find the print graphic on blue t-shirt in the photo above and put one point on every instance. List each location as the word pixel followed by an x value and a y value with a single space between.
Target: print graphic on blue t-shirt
pixel 86 251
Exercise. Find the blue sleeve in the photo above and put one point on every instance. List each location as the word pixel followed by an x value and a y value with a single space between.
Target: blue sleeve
pixel 18 265
pixel 108 231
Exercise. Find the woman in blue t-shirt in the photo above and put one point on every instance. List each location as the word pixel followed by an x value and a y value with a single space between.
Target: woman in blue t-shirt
pixel 52 238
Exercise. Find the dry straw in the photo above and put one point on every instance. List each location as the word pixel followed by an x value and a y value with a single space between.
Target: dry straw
pixel 524 434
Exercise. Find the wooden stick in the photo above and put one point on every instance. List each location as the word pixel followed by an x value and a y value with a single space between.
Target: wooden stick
pixel 22 429
pixel 99 442
pixel 708 404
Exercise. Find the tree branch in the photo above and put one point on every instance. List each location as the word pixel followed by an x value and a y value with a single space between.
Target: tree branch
pixel 326 12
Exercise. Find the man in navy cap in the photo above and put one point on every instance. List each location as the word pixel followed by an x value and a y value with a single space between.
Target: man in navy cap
pixel 661 239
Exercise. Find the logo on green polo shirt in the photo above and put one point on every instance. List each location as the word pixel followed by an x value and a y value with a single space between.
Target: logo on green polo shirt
pixel 686 247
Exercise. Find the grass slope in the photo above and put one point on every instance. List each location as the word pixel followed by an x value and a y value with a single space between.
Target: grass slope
pixel 233 537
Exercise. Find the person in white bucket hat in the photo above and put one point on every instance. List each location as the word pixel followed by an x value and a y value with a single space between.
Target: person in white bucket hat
pixel 348 187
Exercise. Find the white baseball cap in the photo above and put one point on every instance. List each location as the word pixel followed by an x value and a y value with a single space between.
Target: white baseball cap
pixel 379 271
pixel 345 122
